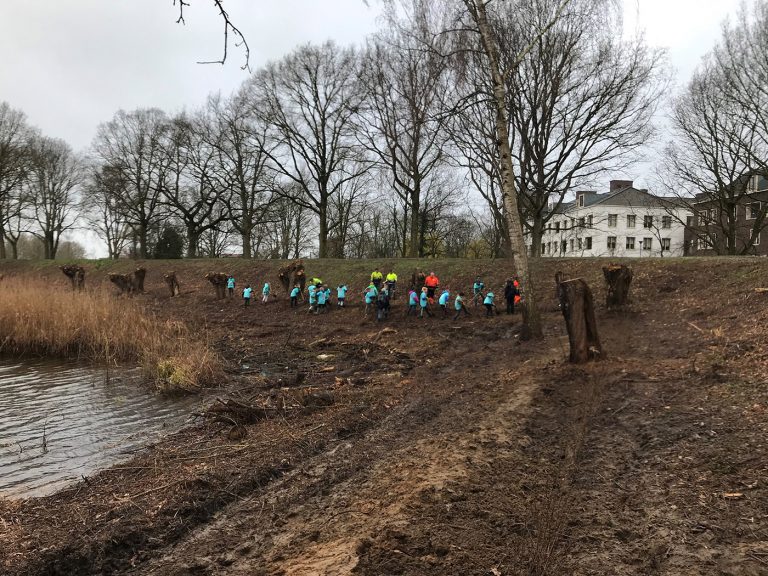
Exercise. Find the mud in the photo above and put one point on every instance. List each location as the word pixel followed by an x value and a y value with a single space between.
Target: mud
pixel 448 448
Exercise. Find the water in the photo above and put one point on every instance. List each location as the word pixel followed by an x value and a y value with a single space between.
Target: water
pixel 59 422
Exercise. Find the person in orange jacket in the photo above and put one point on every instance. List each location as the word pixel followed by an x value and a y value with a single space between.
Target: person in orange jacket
pixel 432 282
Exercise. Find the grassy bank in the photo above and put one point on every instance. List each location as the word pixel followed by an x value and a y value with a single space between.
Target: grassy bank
pixel 38 319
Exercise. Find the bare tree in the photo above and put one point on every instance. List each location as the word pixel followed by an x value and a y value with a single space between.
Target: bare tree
pixel 99 207
pixel 134 144
pixel 581 101
pixel 407 81
pixel 55 173
pixel 711 156
pixel 14 163
pixel 310 99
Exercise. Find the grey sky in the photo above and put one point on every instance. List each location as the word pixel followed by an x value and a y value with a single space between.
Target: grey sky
pixel 71 64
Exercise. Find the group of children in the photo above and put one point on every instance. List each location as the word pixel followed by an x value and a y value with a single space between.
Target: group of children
pixel 248 291
pixel 378 293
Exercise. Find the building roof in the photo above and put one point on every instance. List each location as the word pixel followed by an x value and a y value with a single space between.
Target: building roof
pixel 626 195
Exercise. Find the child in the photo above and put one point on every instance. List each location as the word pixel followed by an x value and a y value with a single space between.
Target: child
pixel 413 302
pixel 231 285
pixel 322 298
pixel 382 305
pixel 370 298
pixel 295 296
pixel 443 301
pixel 247 295
pixel 511 295
pixel 312 292
pixel 477 290
pixel 488 303
pixel 265 293
pixel 341 294
pixel 424 301
pixel 459 306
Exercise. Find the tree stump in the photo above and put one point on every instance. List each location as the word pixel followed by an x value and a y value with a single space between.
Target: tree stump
pixel 76 275
pixel 172 283
pixel 578 310
pixel 125 282
pixel 138 279
pixel 301 279
pixel 618 277
pixel 219 281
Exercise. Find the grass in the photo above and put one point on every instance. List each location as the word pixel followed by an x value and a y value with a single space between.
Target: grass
pixel 38 319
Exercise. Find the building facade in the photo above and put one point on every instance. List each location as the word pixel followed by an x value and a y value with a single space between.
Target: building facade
pixel 707 233
pixel 623 222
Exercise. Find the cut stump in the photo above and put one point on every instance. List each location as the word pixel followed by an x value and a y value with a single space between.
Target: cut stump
pixel 618 277
pixel 578 310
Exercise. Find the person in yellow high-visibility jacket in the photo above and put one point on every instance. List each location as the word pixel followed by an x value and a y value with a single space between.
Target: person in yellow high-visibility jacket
pixel 391 282
pixel 376 278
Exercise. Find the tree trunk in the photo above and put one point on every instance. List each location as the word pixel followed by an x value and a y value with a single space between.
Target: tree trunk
pixel 14 249
pixel 579 312
pixel 142 241
pixel 246 238
pixel 193 240
pixel 519 255
pixel 323 235
pixel 3 254
pixel 537 233
pixel 618 277
pixel 414 242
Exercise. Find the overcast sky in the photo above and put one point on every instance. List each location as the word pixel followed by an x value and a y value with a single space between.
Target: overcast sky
pixel 70 64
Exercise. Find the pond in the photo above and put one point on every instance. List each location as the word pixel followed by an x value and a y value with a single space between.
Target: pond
pixel 59 422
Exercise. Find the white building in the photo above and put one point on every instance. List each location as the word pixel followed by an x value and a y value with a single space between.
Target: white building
pixel 624 222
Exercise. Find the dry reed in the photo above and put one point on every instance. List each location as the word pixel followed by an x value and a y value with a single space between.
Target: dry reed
pixel 36 319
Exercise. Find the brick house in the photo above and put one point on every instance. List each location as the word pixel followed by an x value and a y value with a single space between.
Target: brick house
pixel 706 232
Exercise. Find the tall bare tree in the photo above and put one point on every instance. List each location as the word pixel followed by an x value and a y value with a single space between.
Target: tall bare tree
pixel 134 144
pixel 407 80
pixel 310 99
pixel 99 208
pixel 15 136
pixel 54 176
pixel 581 100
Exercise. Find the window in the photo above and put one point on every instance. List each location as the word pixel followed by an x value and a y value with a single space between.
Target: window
pixel 581 200
pixel 753 210
pixel 689 221
pixel 702 244
pixel 710 215
pixel 630 242
pixel 572 244
pixel 666 244
pixel 757 240
pixel 543 248
pixel 589 220
pixel 611 242
pixel 573 222
pixel 666 221
pixel 588 243
pixel 582 222
pixel 631 218
pixel 564 246
pixel 647 243
pixel 580 244
pixel 613 219
pixel 647 221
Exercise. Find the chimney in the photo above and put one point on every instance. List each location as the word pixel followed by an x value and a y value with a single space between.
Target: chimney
pixel 620 184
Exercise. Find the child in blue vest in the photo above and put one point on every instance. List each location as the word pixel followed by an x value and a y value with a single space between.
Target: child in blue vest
pixel 443 301
pixel 477 291
pixel 413 302
pixel 265 293
pixel 341 295
pixel 371 293
pixel 295 296
pixel 459 306
pixel 247 295
pixel 424 302
pixel 312 292
pixel 488 303
pixel 231 285
pixel 322 298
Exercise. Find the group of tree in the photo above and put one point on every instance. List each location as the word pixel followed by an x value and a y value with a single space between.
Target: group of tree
pixel 355 152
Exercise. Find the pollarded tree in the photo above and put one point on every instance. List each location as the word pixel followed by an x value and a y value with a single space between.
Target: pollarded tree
pixel 54 176
pixel 310 99
pixel 134 144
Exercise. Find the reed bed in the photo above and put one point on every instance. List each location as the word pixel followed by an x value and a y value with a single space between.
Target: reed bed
pixel 36 319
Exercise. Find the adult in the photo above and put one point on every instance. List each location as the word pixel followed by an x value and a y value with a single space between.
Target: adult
pixel 391 282
pixel 376 278
pixel 432 282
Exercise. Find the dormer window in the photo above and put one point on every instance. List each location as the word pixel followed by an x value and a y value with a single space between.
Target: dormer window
pixel 581 200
